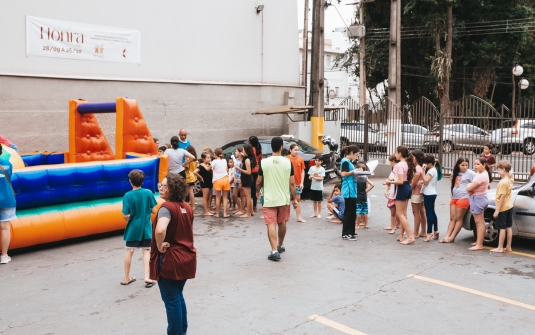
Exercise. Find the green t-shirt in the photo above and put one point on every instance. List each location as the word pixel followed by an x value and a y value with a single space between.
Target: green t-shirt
pixel 276 172
pixel 139 204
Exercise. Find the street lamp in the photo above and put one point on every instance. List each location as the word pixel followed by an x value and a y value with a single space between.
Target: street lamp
pixel 523 83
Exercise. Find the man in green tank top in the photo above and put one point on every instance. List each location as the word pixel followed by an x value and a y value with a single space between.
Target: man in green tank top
pixel 276 177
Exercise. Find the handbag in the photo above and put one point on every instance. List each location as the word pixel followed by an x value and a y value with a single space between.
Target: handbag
pixel 8 180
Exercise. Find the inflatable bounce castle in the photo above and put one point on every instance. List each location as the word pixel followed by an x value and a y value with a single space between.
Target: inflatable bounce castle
pixel 64 195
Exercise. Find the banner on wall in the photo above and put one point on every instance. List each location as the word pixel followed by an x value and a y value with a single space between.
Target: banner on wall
pixel 73 40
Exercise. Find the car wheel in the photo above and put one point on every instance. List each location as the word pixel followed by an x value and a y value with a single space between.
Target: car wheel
pixel 491 233
pixel 197 188
pixel 447 147
pixel 477 151
pixel 529 146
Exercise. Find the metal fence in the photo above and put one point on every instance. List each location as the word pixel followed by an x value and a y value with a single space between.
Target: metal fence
pixel 462 130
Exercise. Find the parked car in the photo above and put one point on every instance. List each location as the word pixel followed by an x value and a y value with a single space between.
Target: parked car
pixel 412 136
pixel 353 133
pixel 306 151
pixel 523 198
pixel 515 135
pixel 457 137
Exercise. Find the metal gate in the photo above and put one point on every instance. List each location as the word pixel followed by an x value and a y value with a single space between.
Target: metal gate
pixel 462 130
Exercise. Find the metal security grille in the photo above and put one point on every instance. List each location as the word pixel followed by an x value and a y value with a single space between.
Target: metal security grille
pixel 461 130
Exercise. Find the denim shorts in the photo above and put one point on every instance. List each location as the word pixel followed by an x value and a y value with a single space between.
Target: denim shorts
pixel 478 203
pixel 403 191
pixel 8 214
pixel 298 190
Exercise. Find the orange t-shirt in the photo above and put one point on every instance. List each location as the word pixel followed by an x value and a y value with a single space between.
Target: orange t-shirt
pixel 299 165
pixel 258 158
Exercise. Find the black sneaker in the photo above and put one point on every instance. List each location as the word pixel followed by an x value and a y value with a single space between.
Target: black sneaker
pixel 352 238
pixel 281 249
pixel 274 256
pixel 345 237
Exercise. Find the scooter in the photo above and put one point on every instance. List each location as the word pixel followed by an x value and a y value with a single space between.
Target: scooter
pixel 334 147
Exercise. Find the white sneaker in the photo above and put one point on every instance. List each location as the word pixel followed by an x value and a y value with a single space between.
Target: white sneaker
pixel 5 259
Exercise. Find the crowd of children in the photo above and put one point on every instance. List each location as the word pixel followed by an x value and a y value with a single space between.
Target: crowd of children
pixel 414 178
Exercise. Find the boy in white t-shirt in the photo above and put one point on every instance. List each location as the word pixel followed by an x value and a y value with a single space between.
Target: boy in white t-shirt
pixel 316 174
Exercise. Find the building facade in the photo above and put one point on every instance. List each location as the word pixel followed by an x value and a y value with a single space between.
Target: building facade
pixel 340 84
pixel 204 66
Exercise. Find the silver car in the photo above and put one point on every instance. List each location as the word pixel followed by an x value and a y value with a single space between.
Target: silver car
pixel 412 136
pixel 515 135
pixel 353 133
pixel 523 214
pixel 457 137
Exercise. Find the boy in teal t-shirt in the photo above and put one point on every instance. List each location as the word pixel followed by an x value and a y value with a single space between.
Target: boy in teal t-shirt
pixel 138 205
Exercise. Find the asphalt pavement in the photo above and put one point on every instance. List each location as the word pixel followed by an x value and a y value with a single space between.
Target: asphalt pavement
pixel 322 285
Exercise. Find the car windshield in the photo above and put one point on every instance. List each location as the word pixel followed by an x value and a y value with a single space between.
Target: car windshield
pixel 303 146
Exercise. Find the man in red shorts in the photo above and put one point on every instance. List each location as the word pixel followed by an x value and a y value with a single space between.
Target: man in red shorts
pixel 276 176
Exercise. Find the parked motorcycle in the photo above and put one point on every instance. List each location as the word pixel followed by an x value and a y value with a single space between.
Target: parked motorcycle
pixel 334 147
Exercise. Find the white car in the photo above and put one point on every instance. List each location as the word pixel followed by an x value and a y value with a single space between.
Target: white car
pixel 515 135
pixel 523 198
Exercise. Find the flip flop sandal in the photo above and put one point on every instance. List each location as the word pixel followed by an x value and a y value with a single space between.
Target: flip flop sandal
pixel 149 285
pixel 132 279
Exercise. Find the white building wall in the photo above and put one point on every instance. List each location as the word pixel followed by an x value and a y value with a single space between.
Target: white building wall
pixel 206 40
pixel 205 66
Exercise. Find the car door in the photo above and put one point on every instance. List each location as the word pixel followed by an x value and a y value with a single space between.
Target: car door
pixel 477 137
pixel 454 133
pixel 524 210
pixel 406 135
pixel 418 135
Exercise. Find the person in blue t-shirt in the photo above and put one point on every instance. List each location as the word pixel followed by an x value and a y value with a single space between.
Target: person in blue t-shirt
pixel 336 204
pixel 349 191
pixel 138 205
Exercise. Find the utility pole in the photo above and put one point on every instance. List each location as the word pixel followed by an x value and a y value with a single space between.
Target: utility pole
pixel 362 75
pixel 317 73
pixel 362 89
pixel 394 77
pixel 304 61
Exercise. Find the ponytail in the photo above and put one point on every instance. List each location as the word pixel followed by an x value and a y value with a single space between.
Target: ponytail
pixel 219 153
pixel 430 159
pixel 349 149
pixel 439 170
pixel 412 167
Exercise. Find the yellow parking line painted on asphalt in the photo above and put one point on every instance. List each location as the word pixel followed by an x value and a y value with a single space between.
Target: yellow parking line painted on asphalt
pixel 476 292
pixel 514 252
pixel 335 325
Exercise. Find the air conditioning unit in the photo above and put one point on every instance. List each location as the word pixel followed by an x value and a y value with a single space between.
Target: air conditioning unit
pixel 357 31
